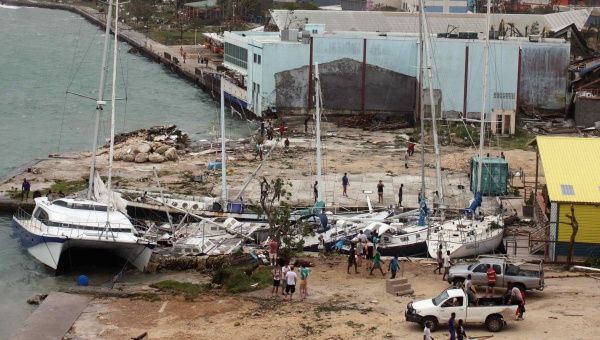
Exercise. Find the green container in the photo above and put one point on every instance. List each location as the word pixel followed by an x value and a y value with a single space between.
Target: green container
pixel 494 176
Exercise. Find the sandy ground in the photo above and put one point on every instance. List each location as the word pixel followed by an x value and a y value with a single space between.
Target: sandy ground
pixel 340 306
pixel 366 156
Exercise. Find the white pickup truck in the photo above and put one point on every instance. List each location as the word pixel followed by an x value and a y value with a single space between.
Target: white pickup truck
pixel 490 311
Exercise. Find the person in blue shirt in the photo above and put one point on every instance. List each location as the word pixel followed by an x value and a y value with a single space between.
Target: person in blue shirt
pixel 393 266
pixel 452 326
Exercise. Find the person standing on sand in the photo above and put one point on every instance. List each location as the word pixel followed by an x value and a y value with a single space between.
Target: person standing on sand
pixel 276 271
pixel 452 326
pixel 290 278
pixel 393 266
pixel 516 298
pixel 427 331
pixel 369 254
pixel 304 272
pixel 25 188
pixel 345 184
pixel 400 195
pixel 321 248
pixel 352 259
pixel 273 247
pixel 447 264
pixel 460 330
pixel 360 249
pixel 380 191
pixel 440 261
pixel 377 262
pixel 491 281
pixel 284 271
pixel 316 190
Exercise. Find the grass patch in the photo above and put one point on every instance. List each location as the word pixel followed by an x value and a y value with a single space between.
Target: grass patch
pixel 243 279
pixel 151 297
pixel 190 291
pixel 69 187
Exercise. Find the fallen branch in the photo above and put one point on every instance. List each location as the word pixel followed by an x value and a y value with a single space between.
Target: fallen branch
pixel 141 336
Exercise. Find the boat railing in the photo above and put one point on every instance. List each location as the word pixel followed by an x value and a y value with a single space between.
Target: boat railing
pixel 75 229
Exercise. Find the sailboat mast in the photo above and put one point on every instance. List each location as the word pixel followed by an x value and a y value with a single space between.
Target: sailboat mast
pixel 100 102
pixel 113 99
pixel 436 145
pixel 486 56
pixel 421 102
pixel 223 153
pixel 318 131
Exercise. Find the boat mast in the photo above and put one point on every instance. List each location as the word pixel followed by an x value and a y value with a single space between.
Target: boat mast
pixel 318 131
pixel 436 147
pixel 100 101
pixel 223 142
pixel 421 116
pixel 111 149
pixel 486 55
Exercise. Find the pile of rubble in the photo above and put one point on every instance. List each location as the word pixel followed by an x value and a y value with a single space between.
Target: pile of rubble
pixel 156 144
pixel 372 122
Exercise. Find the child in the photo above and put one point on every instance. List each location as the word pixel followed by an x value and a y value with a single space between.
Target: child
pixel 393 266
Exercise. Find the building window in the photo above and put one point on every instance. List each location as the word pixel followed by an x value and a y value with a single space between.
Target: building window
pixel 236 55
pixel 257 58
pixel 504 95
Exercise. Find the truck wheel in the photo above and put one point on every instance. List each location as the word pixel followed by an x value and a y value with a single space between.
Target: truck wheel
pixel 458 282
pixel 433 321
pixel 494 323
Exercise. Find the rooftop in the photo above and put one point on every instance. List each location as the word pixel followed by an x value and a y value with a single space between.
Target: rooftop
pixel 372 21
pixel 571 168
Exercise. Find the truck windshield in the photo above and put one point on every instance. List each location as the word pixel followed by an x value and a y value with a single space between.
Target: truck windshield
pixel 440 298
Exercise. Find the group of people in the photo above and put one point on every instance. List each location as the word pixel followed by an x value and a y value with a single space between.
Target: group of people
pixel 380 186
pixel 365 249
pixel 269 129
pixel 285 276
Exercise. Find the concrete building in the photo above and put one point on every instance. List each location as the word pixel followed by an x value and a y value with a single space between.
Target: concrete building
pixel 377 72
pixel 572 181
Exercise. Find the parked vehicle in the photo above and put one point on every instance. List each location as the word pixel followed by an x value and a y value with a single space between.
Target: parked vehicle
pixel 521 276
pixel 490 311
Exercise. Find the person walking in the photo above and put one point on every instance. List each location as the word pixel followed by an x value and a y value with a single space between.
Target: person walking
pixel 321 248
pixel 273 247
pixel 352 259
pixel 377 262
pixel 306 124
pixel 393 266
pixel 516 298
pixel 447 264
pixel 264 189
pixel 360 252
pixel 427 331
pixel 286 143
pixel 452 326
pixel 470 291
pixel 369 254
pixel 406 159
pixel 276 271
pixel 25 188
pixel 380 191
pixel 304 273
pixel 400 195
pixel 491 281
pixel 345 184
pixel 440 261
pixel 460 330
pixel 316 190
pixel 291 277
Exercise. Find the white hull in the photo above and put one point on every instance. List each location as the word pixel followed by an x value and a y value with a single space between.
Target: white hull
pixel 488 242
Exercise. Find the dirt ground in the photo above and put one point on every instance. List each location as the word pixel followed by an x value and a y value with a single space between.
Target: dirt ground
pixel 339 306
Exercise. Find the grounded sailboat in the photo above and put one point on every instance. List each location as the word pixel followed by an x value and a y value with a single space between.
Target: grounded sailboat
pixel 94 222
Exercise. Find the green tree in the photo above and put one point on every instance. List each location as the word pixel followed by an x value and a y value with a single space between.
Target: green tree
pixel 141 9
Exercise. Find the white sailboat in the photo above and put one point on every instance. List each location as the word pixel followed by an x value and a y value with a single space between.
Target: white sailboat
pixel 470 235
pixel 93 222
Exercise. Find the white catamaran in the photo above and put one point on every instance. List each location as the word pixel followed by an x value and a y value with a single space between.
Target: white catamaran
pixel 94 222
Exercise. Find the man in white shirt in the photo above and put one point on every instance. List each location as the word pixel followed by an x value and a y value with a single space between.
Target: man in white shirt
pixel 468 288
pixel 290 278
pixel 447 264
pixel 427 332
pixel 284 271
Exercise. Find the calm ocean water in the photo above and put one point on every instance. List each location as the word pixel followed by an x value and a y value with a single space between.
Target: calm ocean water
pixel 42 53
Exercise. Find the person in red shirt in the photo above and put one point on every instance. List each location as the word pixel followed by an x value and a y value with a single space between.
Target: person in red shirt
pixel 281 129
pixel 273 246
pixel 491 278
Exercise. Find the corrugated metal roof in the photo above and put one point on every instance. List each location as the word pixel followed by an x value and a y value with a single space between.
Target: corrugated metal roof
pixel 371 21
pixel 572 168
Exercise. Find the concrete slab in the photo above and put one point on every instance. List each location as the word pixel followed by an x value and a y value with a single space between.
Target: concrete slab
pixel 53 318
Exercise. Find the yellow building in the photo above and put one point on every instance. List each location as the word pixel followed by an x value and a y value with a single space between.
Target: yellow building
pixel 572 171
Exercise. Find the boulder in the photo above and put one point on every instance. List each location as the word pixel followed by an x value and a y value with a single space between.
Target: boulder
pixel 141 157
pixel 156 158
pixel 143 148
pixel 162 149
pixel 128 157
pixel 117 156
pixel 171 154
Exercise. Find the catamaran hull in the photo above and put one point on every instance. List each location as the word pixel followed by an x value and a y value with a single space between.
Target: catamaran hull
pixel 469 249
pixel 48 249
pixel 413 249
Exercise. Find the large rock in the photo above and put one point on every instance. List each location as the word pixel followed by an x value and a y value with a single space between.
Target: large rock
pixel 156 158
pixel 128 157
pixel 141 157
pixel 171 154
pixel 143 148
pixel 118 155
pixel 162 149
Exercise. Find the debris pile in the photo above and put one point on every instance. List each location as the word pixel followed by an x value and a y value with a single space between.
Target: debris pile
pixel 156 145
pixel 372 122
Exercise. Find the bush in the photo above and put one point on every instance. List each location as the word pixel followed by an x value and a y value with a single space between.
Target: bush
pixel 190 291
pixel 243 279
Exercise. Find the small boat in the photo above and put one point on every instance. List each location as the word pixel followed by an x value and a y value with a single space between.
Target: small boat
pixel 467 237
pixel 65 223
pixel 406 241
